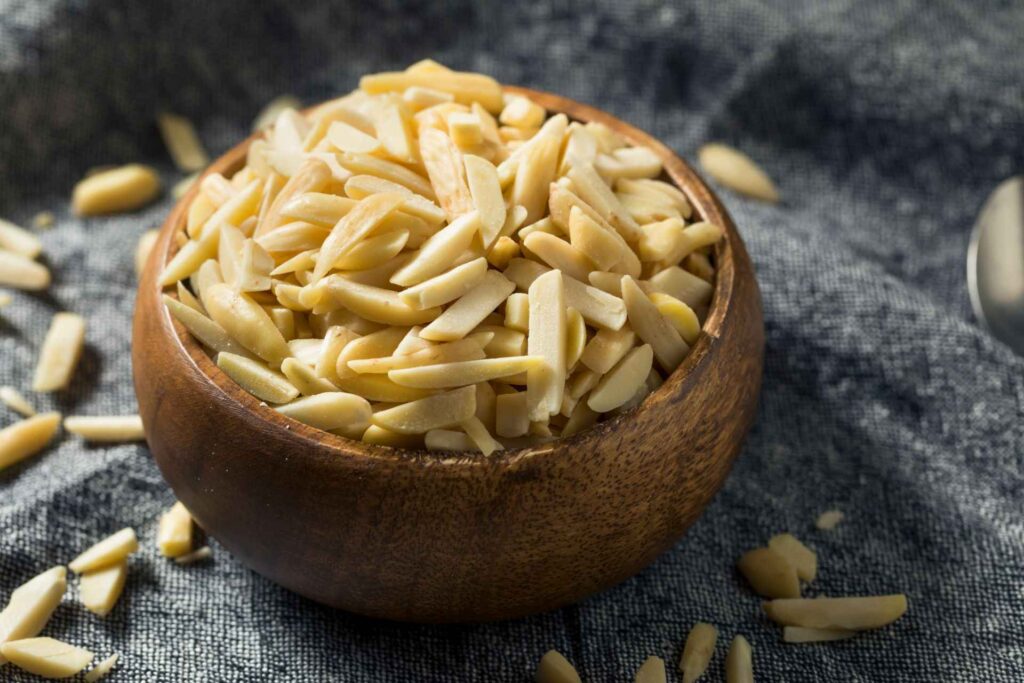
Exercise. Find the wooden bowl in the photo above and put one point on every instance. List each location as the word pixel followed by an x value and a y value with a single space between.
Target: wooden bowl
pixel 446 537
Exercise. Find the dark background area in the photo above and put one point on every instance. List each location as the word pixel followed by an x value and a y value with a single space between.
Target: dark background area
pixel 885 125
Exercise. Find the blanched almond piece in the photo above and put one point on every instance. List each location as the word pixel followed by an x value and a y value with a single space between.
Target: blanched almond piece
pixel 593 241
pixel 503 251
pixel 448 440
pixel 125 188
pixel 465 130
pixel 377 304
pixel 534 174
pixel 678 314
pixel 803 559
pixel 656 190
pixel 218 188
pixel 229 252
pixel 385 437
pixel 607 139
pixel 799 634
pixel 593 190
pixel 434 412
pixel 191 256
pixel 254 268
pixel 419 97
pixel 553 128
pixel 256 378
pixel 347 138
pixel 514 219
pixel 506 342
pixel 412 342
pixel 22 242
pixel 466 88
pixel 598 308
pixel 374 251
pixel 438 252
pixel 511 416
pixel 737 171
pixel 769 573
pixel 390 171
pixel 700 265
pixel 559 254
pixel 295 236
pixel 330 410
pixel 623 381
pixel 659 240
pixel 697 652
pixel 197 555
pixel 99 590
pixel 517 312
pixel 480 437
pixel 485 191
pixel 686 287
pixel 446 171
pixel 318 207
pixel 379 344
pixel 394 126
pixel 174 534
pixel 629 162
pixel 554 668
pixel 304 378
pixel 353 227
pixel 313 176
pixel 209 333
pixel 15 401
pixel 853 614
pixel 692 238
pixel 106 429
pixel 362 186
pixel 521 112
pixel 46 657
pixel 576 337
pixel 182 142
pixel 829 520
pixel 101 669
pixel 246 322
pixel 545 225
pixel 581 417
pixel 669 348
pixel 110 550
pixel 546 381
pixel 460 350
pixel 21 272
pixel 464 315
pixel 380 388
pixel 31 605
pixel 651 671
pixel 739 665
pixel 461 373
pixel 186 297
pixel 607 348
pixel 60 352
pixel 447 286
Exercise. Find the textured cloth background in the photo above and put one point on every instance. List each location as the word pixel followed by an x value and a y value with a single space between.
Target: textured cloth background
pixel 885 124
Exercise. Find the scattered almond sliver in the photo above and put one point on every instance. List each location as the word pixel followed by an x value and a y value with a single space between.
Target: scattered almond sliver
pixel 739 665
pixel 197 555
pixel 15 401
pixel 46 657
pixel 27 437
pixel 852 613
pixel 101 670
pixel 19 240
pixel 554 668
pixel 60 352
pixel 697 652
pixel 174 534
pixel 107 428
pixel 182 142
pixel 22 272
pixel 110 550
pixel 737 171
pixel 829 520
pixel 31 605
pixel 425 200
pixel 100 589
pixel 651 671
pixel 125 188
pixel 769 573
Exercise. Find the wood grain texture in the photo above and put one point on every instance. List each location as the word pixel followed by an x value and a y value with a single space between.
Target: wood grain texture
pixel 429 537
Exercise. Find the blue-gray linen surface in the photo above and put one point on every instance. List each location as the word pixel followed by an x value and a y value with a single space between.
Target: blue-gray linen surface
pixel 885 124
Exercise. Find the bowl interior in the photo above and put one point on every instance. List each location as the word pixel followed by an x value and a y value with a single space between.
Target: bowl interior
pixel 706 207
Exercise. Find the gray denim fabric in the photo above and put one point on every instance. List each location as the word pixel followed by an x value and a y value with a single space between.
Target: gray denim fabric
pixel 885 124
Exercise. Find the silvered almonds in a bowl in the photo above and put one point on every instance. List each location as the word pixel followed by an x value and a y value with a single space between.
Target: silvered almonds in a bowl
pixel 430 262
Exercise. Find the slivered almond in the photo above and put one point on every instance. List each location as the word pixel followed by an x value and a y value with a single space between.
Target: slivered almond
pixel 182 142
pixel 31 605
pixel 15 401
pixel 19 240
pixel 110 550
pixel 433 412
pixel 803 559
pixel 60 352
pixel 256 378
pixel 466 88
pixel 120 189
pixel 650 326
pixel 697 652
pixel 739 665
pixel 354 226
pixel 106 429
pixel 853 614
pixel 651 671
pixel 546 380
pixel 623 381
pixel 554 668
pixel 21 272
pixel 737 171
pixel 485 190
pixel 445 169
pixel 46 657
pixel 769 573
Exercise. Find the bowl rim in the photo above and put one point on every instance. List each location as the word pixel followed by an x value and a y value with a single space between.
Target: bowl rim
pixel 702 199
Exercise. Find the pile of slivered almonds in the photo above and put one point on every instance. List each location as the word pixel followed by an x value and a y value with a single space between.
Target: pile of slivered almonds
pixel 774 572
pixel 428 261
